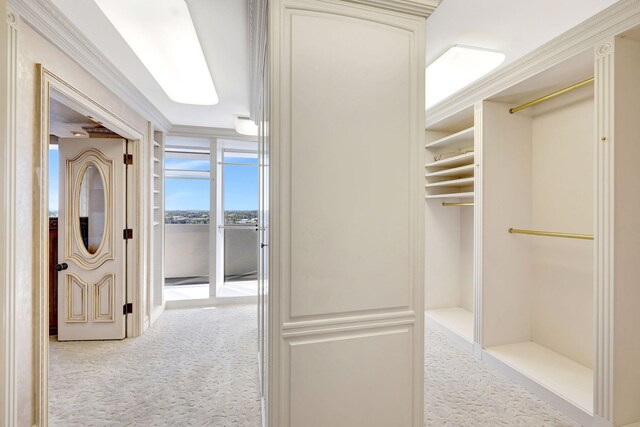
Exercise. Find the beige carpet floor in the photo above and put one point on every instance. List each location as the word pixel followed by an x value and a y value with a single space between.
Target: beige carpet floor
pixel 198 368
pixel 191 368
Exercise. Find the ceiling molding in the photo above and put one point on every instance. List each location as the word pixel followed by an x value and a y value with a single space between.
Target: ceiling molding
pixel 51 24
pixel 422 8
pixel 209 132
pixel 615 19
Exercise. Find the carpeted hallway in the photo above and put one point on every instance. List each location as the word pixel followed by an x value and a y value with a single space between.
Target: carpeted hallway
pixel 198 368
pixel 191 368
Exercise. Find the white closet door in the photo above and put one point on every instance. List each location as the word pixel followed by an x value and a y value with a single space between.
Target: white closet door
pixel 347 223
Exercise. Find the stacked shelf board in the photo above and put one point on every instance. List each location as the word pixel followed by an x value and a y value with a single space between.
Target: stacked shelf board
pixel 539 365
pixel 450 177
pixel 158 217
pixel 450 169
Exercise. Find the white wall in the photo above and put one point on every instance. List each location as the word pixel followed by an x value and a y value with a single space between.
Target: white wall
pixel 33 49
pixel 563 200
pixel 186 250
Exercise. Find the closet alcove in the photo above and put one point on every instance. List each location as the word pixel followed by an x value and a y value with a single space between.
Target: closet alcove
pixel 533 230
pixel 538 177
pixel 450 187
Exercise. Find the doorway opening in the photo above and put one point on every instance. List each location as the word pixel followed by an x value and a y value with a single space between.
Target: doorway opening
pixel 87 208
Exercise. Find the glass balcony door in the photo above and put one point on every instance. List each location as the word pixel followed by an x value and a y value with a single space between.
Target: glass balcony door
pixel 238 223
pixel 187 172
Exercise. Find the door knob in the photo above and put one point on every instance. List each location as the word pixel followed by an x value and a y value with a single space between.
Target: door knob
pixel 63 266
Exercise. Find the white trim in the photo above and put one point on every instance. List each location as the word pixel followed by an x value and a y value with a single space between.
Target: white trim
pixel 422 8
pixel 257 52
pixel 477 230
pixel 49 22
pixel 604 260
pixel 210 302
pixel 135 286
pixel 8 215
pixel 617 18
pixel 208 132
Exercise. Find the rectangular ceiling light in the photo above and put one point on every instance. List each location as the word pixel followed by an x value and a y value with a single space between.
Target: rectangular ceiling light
pixel 456 68
pixel 162 34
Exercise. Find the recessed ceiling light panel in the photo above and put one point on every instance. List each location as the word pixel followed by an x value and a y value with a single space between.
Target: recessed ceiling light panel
pixel 162 35
pixel 456 68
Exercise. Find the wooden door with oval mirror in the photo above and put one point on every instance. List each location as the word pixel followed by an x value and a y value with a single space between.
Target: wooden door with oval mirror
pixel 91 248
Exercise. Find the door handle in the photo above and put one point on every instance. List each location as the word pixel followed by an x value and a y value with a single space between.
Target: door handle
pixel 262 245
pixel 63 266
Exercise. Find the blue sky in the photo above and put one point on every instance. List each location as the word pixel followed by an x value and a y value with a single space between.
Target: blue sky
pixel 240 186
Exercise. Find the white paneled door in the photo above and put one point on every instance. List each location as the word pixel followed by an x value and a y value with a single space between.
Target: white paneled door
pixel 346 229
pixel 91 244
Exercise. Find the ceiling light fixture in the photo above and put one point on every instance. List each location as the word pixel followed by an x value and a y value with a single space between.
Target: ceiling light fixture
pixel 163 36
pixel 245 126
pixel 76 133
pixel 456 68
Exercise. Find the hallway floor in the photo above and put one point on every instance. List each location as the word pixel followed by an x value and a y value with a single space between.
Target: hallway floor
pixel 463 391
pixel 198 367
pixel 191 368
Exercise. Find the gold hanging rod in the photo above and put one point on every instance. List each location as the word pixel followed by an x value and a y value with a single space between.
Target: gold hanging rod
pixel 552 95
pixel 457 203
pixel 552 234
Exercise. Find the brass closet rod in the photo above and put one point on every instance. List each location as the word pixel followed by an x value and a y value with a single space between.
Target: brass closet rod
pixel 457 203
pixel 552 234
pixel 552 95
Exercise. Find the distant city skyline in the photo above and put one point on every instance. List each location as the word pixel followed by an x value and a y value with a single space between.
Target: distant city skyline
pixel 240 186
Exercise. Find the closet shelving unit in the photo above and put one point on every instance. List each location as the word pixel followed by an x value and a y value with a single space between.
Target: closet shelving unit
pixel 449 197
pixel 538 282
pixel 158 217
pixel 532 234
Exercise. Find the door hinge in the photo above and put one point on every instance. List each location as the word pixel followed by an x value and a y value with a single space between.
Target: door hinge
pixel 128 159
pixel 127 233
pixel 127 308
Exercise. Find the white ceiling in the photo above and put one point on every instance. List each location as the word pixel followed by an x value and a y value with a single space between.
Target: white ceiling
pixel 64 120
pixel 223 32
pixel 513 27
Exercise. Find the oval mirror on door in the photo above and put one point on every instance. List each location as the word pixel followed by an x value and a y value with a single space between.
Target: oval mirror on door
pixel 91 206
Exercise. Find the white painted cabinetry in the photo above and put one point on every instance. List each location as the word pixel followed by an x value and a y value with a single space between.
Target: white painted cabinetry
pixel 555 311
pixel 346 274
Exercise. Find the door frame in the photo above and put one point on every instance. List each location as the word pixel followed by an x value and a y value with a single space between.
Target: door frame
pixel 52 85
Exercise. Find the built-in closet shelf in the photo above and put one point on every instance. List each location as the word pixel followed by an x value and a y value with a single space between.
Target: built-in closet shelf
pixel 463 182
pixel 456 319
pixel 565 377
pixel 156 144
pixel 450 195
pixel 459 160
pixel 156 207
pixel 156 223
pixel 156 160
pixel 457 139
pixel 155 175
pixel 156 191
pixel 459 172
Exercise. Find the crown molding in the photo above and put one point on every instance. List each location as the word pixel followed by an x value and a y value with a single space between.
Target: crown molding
pixel 208 132
pixel 615 19
pixel 50 23
pixel 422 8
